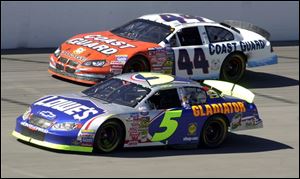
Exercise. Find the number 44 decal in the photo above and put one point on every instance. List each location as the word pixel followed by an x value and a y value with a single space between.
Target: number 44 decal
pixel 184 62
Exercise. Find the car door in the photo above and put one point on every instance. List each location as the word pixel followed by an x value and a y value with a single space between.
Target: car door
pixel 190 57
pixel 172 122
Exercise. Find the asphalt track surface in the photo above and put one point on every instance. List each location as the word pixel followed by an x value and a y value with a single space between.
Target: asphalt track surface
pixel 272 151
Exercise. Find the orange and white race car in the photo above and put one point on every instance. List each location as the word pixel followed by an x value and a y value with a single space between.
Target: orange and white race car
pixel 182 45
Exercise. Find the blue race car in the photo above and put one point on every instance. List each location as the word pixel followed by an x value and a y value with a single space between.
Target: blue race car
pixel 139 109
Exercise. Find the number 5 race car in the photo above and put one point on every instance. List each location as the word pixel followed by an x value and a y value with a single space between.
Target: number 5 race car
pixel 139 109
pixel 182 45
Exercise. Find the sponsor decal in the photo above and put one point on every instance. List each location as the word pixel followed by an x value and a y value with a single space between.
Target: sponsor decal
pixel 86 138
pixel 133 130
pixel 117 63
pixel 68 107
pixel 47 114
pixel 34 128
pixel 94 42
pixel 236 121
pixel 245 46
pixel 121 59
pixel 116 67
pixel 134 136
pixel 215 64
pixel 192 128
pixel 144 113
pixel 79 51
pixel 190 138
pixel 116 71
pixel 88 131
pixel 74 56
pixel 248 122
pixel 144 122
pixel 225 108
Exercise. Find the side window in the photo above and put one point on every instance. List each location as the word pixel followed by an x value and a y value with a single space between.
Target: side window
pixel 189 36
pixel 218 34
pixel 165 99
pixel 173 41
pixel 192 96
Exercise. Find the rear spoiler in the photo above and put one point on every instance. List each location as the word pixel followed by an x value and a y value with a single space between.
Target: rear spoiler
pixel 248 26
pixel 231 89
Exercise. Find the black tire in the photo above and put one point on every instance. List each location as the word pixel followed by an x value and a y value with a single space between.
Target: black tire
pixel 136 64
pixel 214 132
pixel 233 68
pixel 109 137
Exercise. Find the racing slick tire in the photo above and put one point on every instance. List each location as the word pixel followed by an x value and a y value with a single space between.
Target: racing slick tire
pixel 214 132
pixel 136 64
pixel 109 137
pixel 233 68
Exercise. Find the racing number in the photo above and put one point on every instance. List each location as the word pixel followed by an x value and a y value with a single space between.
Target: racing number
pixel 184 62
pixel 180 18
pixel 169 124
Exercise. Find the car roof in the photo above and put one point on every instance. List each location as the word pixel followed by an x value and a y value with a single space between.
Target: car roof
pixel 175 23
pixel 152 80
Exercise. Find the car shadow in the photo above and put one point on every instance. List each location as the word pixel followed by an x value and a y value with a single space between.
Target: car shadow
pixel 250 80
pixel 266 80
pixel 235 143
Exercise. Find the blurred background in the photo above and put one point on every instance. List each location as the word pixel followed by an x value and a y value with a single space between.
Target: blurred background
pixel 46 24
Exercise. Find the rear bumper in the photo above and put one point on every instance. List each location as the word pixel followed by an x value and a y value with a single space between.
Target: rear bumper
pixel 262 62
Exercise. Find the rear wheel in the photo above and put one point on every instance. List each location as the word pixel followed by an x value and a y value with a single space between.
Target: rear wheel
pixel 109 137
pixel 233 68
pixel 214 132
pixel 136 64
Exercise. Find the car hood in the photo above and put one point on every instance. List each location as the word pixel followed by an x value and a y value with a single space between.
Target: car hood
pixel 75 107
pixel 102 45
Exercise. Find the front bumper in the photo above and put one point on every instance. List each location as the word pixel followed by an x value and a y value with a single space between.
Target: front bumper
pixel 60 140
pixel 71 70
pixel 83 78
pixel 52 145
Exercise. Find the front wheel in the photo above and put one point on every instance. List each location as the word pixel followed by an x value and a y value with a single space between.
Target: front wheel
pixel 109 137
pixel 213 132
pixel 136 64
pixel 233 68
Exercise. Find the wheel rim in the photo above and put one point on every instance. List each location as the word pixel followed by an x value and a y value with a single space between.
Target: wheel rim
pixel 108 138
pixel 234 67
pixel 214 132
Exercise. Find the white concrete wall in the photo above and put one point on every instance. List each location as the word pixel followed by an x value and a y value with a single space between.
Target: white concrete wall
pixel 47 24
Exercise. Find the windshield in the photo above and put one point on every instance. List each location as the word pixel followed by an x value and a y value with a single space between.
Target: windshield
pixel 118 91
pixel 143 30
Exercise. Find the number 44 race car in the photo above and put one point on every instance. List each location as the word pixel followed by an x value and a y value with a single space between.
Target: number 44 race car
pixel 182 45
pixel 139 109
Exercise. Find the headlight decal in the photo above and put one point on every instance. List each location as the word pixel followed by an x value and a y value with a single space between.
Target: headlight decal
pixel 26 113
pixel 94 63
pixel 66 126
pixel 57 52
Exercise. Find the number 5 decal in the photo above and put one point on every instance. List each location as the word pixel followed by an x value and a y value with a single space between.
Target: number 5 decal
pixel 169 124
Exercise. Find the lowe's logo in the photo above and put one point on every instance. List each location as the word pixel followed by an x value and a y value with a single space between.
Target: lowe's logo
pixel 66 106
